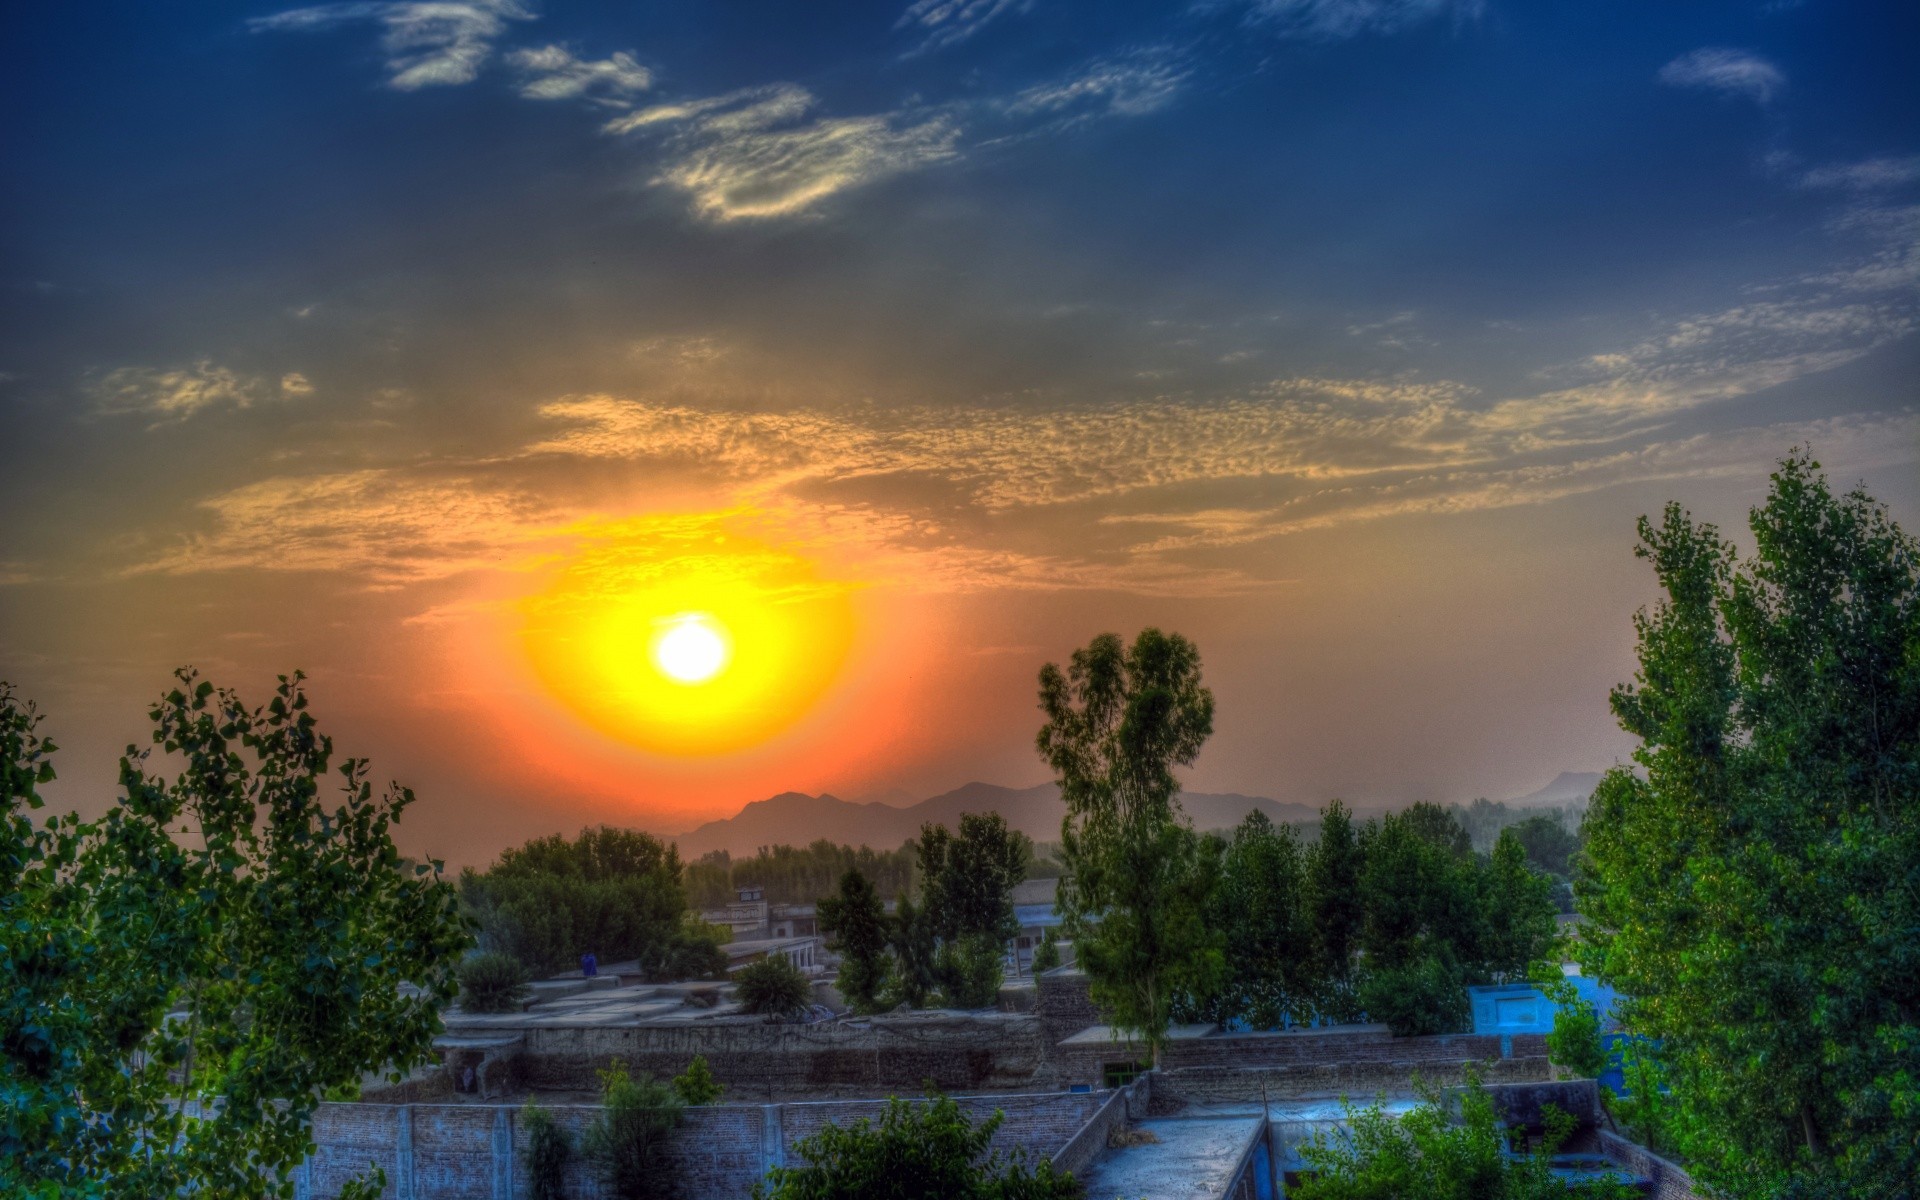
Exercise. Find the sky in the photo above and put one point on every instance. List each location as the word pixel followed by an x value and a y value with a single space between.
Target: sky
pixel 457 352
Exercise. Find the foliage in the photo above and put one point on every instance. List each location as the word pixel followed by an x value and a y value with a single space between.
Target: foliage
pixel 624 1141
pixel 1752 889
pixel 1438 826
pixel 1574 1041
pixel 279 950
pixel 696 1085
pixel 916 953
pixel 856 924
pixel 614 893
pixel 1119 719
pixel 1046 956
pixel 1445 1148
pixel 966 879
pixel 492 982
pixel 1334 870
pixel 1518 905
pixel 966 901
pixel 1416 997
pixel 929 1148
pixel 549 1149
pixel 1548 843
pixel 795 874
pixel 969 970
pixel 773 986
pixel 1261 906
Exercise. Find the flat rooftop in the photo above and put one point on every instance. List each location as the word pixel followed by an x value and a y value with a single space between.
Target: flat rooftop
pixel 1190 1158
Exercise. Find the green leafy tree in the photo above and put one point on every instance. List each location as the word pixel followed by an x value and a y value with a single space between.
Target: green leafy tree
pixel 773 986
pixel 549 1151
pixel 1119 719
pixel 492 982
pixel 1261 905
pixel 696 1085
pixel 1335 868
pixel 1751 891
pixel 1573 1044
pixel 926 1148
pixel 1519 913
pixel 916 952
pixel 1046 956
pixel 1438 826
pixel 187 975
pixel 856 924
pixel 966 901
pixel 970 972
pixel 625 1141
pixel 796 874
pixel 1446 1148
pixel 614 893
pixel 1549 844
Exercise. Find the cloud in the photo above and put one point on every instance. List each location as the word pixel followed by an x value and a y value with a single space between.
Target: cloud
pixel 948 22
pixel 171 394
pixel 1350 18
pixel 553 73
pixel 1126 87
pixel 1730 72
pixel 293 383
pixel 1867 175
pixel 428 43
pixel 760 152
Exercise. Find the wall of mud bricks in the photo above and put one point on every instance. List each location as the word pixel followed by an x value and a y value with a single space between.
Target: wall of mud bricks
pixel 1669 1181
pixel 479 1152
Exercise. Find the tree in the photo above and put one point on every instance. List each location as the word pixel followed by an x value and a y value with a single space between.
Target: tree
pixel 856 924
pixel 966 889
pixel 226 939
pixel 614 893
pixel 1751 892
pixel 773 987
pixel 1334 871
pixel 916 953
pixel 1549 844
pixel 492 983
pixel 1438 826
pixel 696 1085
pixel 1443 1149
pixel 1046 956
pixel 549 1149
pixel 1574 1041
pixel 929 1148
pixel 1518 903
pixel 624 1141
pixel 1261 906
pixel 1119 720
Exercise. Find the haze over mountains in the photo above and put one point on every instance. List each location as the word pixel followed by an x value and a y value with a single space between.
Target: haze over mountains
pixel 795 818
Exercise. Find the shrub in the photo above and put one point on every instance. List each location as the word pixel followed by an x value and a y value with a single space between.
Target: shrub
pixel 918 1149
pixel 548 1149
pixel 1444 1149
pixel 1574 1041
pixel 624 1141
pixel 773 986
pixel 696 1085
pixel 492 983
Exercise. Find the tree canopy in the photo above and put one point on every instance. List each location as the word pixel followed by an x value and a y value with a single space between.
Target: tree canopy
pixel 1751 888
pixel 613 893
pixel 229 938
pixel 1119 720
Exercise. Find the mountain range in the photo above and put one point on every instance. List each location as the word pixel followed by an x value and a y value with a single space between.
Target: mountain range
pixel 795 818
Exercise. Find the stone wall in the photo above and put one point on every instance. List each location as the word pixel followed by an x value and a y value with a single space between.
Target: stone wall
pixel 479 1152
pixel 1669 1181
pixel 959 1052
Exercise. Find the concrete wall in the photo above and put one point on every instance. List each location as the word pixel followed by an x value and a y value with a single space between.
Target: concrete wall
pixel 478 1152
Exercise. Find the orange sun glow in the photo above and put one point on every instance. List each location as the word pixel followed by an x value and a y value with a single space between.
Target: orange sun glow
pixel 685 641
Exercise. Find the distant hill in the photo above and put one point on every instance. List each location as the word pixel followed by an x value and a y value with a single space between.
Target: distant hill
pixel 1570 787
pixel 795 818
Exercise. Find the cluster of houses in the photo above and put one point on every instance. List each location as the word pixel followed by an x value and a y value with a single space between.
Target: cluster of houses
pixel 792 931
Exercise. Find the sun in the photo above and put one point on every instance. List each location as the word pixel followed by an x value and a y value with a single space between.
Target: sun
pixel 690 648
pixel 681 637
